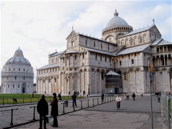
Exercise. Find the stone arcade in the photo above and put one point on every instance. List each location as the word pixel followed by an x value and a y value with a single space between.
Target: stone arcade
pixel 125 52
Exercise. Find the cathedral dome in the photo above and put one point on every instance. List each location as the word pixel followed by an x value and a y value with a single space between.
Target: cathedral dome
pixel 18 59
pixel 116 22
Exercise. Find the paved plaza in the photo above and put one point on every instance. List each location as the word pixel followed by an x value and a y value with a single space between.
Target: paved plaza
pixel 132 115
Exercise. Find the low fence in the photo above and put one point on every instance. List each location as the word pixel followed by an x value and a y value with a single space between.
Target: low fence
pixel 4 101
pixel 166 109
pixel 17 116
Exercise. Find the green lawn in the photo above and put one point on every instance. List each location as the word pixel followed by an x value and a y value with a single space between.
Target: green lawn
pixel 25 98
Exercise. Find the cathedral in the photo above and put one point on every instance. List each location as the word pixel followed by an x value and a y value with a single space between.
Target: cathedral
pixel 17 75
pixel 123 60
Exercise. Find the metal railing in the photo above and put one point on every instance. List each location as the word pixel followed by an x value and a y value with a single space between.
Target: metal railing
pixel 64 107
pixel 166 101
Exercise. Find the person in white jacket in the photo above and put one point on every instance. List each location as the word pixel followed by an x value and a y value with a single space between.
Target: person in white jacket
pixel 118 100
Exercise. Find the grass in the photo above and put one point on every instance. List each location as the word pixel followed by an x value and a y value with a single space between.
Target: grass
pixel 25 98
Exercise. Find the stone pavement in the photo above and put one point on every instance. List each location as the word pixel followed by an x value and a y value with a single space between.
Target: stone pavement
pixel 24 114
pixel 132 115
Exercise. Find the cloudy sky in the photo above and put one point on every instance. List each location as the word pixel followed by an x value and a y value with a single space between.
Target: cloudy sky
pixel 41 27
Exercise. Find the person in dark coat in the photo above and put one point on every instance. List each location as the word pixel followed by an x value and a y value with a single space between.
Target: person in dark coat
pixel 42 108
pixel 60 97
pixel 133 95
pixel 54 110
pixel 74 100
pixel 102 97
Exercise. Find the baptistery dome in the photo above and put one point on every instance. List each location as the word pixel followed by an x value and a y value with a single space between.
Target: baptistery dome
pixel 17 74
pixel 18 59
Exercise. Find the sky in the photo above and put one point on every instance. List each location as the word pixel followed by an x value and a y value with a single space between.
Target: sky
pixel 41 27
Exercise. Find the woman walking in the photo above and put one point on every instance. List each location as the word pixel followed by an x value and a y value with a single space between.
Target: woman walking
pixel 118 101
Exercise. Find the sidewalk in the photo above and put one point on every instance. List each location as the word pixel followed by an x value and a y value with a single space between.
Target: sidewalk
pixel 132 115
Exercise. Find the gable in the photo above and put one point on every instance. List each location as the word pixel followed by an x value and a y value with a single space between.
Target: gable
pixel 155 30
pixel 72 34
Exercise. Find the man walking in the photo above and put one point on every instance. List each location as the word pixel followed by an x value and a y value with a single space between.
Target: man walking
pixel 54 110
pixel 102 97
pixel 74 100
pixel 133 95
pixel 42 108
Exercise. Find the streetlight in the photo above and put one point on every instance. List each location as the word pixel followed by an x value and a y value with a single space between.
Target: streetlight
pixel 151 69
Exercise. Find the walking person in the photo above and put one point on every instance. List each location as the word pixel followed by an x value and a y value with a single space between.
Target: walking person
pixel 60 97
pixel 159 98
pixel 54 110
pixel 74 100
pixel 42 108
pixel 102 97
pixel 118 101
pixel 133 95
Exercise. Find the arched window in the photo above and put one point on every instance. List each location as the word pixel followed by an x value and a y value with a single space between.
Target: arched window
pixel 75 57
pixel 132 61
pixel 120 63
pixel 94 44
pixel 140 39
pixel 131 41
pixel 125 76
pixel 101 46
pixel 86 42
pixel 15 77
pixel 72 43
pixel 102 75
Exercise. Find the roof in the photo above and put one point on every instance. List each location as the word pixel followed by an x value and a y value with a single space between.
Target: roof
pixel 116 22
pixel 98 51
pixel 18 59
pixel 49 66
pixel 156 42
pixel 112 73
pixel 97 39
pixel 56 53
pixel 164 42
pixel 133 49
pixel 138 31
pixel 161 42
pixel 71 51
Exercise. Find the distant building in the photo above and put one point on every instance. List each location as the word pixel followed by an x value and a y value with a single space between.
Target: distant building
pixel 84 64
pixel 17 75
pixel 34 88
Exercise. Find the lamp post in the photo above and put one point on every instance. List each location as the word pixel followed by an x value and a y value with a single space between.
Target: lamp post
pixel 151 70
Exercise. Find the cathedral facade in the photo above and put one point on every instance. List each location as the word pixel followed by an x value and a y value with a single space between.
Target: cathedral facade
pixel 88 62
